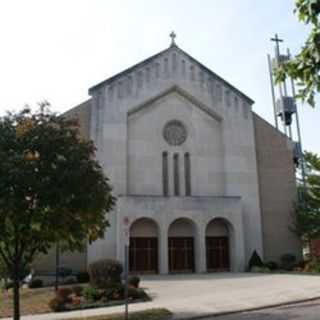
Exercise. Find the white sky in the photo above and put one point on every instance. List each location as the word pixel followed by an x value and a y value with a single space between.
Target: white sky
pixel 57 49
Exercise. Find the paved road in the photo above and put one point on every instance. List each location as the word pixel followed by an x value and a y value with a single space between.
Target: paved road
pixel 303 311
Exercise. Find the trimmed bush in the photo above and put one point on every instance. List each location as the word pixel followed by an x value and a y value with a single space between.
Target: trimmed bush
pixel 35 283
pixel 90 294
pixel 134 294
pixel 255 261
pixel 260 269
pixel 56 305
pixel 105 272
pixel 288 261
pixel 134 281
pixel 83 277
pixel 272 265
pixel 77 290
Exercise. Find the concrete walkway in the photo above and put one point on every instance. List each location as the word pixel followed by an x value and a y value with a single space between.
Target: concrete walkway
pixel 190 296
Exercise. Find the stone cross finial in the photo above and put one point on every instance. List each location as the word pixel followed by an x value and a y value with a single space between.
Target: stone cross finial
pixel 173 37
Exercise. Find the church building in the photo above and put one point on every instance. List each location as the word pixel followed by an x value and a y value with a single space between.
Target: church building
pixel 201 180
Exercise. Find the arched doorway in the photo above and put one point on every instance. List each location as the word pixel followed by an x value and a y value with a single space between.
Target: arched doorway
pixel 181 246
pixel 218 245
pixel 143 249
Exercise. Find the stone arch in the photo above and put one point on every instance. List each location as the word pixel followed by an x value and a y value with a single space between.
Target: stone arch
pixel 144 246
pixel 182 233
pixel 219 245
pixel 144 227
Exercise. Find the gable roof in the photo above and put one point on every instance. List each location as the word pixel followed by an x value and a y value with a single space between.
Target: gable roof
pixel 181 92
pixel 146 61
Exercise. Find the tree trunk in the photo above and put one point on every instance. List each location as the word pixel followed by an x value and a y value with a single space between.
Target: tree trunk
pixel 16 292
pixel 310 248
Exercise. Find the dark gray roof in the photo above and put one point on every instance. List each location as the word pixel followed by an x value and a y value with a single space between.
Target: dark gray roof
pixel 144 62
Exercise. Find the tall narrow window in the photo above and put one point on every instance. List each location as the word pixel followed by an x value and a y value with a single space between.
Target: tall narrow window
pixel 165 180
pixel 187 173
pixel 176 174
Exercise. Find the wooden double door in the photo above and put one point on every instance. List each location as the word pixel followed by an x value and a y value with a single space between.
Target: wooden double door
pixel 217 254
pixel 143 255
pixel 181 254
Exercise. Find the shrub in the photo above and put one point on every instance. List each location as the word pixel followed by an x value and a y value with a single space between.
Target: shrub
pixel 35 283
pixel 288 261
pixel 77 290
pixel 134 293
pixel 105 272
pixel 301 264
pixel 83 277
pixel 63 294
pixel 114 292
pixel 56 305
pixel 313 266
pixel 90 294
pixel 260 269
pixel 76 301
pixel 134 281
pixel 272 265
pixel 255 260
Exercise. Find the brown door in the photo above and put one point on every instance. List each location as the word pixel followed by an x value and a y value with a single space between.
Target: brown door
pixel 181 255
pixel 217 254
pixel 143 255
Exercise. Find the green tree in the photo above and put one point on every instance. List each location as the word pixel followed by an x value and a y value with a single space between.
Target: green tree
pixel 308 212
pixel 304 68
pixel 3 275
pixel 51 189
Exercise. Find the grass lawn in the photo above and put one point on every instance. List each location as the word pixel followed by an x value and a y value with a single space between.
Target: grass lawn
pixel 151 314
pixel 33 301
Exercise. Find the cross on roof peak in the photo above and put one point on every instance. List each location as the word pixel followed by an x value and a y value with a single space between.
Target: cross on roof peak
pixel 173 37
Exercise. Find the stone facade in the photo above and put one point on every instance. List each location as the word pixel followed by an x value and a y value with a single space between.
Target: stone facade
pixel 188 159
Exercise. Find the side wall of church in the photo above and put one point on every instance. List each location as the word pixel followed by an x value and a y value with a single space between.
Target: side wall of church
pixel 277 191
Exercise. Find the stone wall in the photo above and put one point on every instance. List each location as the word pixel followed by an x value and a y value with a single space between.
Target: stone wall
pixel 82 113
pixel 277 191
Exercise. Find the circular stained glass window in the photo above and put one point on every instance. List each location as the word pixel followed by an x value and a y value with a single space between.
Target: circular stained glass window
pixel 175 133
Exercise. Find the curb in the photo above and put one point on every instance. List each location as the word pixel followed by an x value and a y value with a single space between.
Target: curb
pixel 239 311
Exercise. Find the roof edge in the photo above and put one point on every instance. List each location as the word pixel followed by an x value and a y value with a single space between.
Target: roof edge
pixel 120 74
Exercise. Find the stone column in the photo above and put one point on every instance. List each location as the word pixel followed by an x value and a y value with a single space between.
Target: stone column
pixel 200 247
pixel 163 251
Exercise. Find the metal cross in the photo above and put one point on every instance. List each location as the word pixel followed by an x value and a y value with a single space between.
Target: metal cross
pixel 173 37
pixel 277 40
